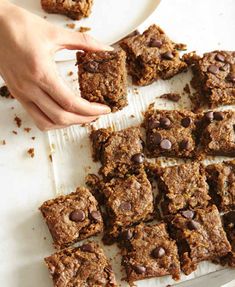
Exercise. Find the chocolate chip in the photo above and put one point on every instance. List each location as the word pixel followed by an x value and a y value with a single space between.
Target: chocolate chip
pixel 138 158
pixel 139 269
pixel 184 145
pixel 209 116
pixel 77 215
pixel 125 206
pixel 218 116
pixel 127 234
pixel 156 138
pixel 189 214
pixel 165 123
pixel 155 43
pixel 231 78
pixel 213 69
pixel 153 124
pixel 168 55
pixel 186 122
pixel 192 225
pixel 158 252
pixel 91 67
pixel 86 248
pixel 165 144
pixel 219 57
pixel 96 215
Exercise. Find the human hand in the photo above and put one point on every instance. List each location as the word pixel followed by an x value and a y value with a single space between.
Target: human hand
pixel 26 64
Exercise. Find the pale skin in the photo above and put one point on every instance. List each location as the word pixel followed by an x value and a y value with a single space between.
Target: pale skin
pixel 27 45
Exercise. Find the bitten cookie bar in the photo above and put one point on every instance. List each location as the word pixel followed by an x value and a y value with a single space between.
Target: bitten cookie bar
pixel 170 133
pixel 217 133
pixel 151 56
pixel 74 9
pixel 221 178
pixel 102 78
pixel 120 152
pixel 82 266
pixel 200 236
pixel 183 187
pixel 73 217
pixel 148 251
pixel 214 77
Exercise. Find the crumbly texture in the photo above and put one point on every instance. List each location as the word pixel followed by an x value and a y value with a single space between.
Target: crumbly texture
pixel 221 178
pixel 74 9
pixel 170 133
pixel 214 77
pixel 183 187
pixel 128 201
pixel 82 266
pixel 152 55
pixel 4 92
pixel 102 77
pixel 199 235
pixel 148 251
pixel 73 217
pixel 118 151
pixel 217 133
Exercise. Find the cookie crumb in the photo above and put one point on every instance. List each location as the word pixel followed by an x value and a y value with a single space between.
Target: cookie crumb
pixel 18 121
pixel 174 97
pixel 70 73
pixel 70 25
pixel 50 157
pixel 4 92
pixel 187 89
pixel 44 17
pixel 3 142
pixel 83 29
pixel 14 132
pixel 30 151
pixel 33 138
pixel 27 130
pixel 181 47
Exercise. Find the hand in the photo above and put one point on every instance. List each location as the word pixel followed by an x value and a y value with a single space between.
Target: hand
pixel 26 51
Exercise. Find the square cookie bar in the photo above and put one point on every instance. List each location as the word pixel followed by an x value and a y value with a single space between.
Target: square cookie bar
pixel 82 266
pixel 221 179
pixel 148 251
pixel 217 133
pixel 74 9
pixel 128 201
pixel 199 235
pixel 183 187
pixel 120 152
pixel 102 77
pixel 214 77
pixel 170 133
pixel 73 217
pixel 152 55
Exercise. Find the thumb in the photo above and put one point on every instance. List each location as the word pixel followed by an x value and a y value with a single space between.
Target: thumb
pixel 79 41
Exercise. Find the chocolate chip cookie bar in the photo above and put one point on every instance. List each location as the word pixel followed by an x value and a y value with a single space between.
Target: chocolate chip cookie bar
pixel 221 179
pixel 148 251
pixel 73 217
pixel 86 265
pixel 199 235
pixel 102 77
pixel 214 77
pixel 120 152
pixel 74 9
pixel 170 133
pixel 183 187
pixel 152 55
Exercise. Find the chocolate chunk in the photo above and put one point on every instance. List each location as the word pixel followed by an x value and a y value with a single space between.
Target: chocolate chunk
pixel 158 252
pixel 86 248
pixel 213 69
pixel 127 234
pixel 156 138
pixel 189 214
pixel 186 122
pixel 193 225
pixel 96 215
pixel 125 206
pixel 91 67
pixel 168 55
pixel 138 158
pixel 231 78
pixel 184 145
pixel 77 215
pixel 209 116
pixel 153 124
pixel 139 269
pixel 165 144
pixel 218 116
pixel 165 123
pixel 219 57
pixel 155 43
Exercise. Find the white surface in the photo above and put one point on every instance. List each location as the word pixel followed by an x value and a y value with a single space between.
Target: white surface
pixel 26 182
pixel 109 21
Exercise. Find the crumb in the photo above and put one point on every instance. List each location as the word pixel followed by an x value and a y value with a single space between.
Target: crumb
pixel 83 29
pixel 45 17
pixel 18 121
pixel 44 238
pixel 27 130
pixel 4 92
pixel 70 25
pixel 50 157
pixel 132 116
pixel 187 89
pixel 135 91
pixel 33 228
pixel 30 151
pixel 3 142
pixel 174 97
pixel 52 148
pixel 181 47
pixel 14 132
pixel 81 146
pixel 70 73
pixel 33 138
